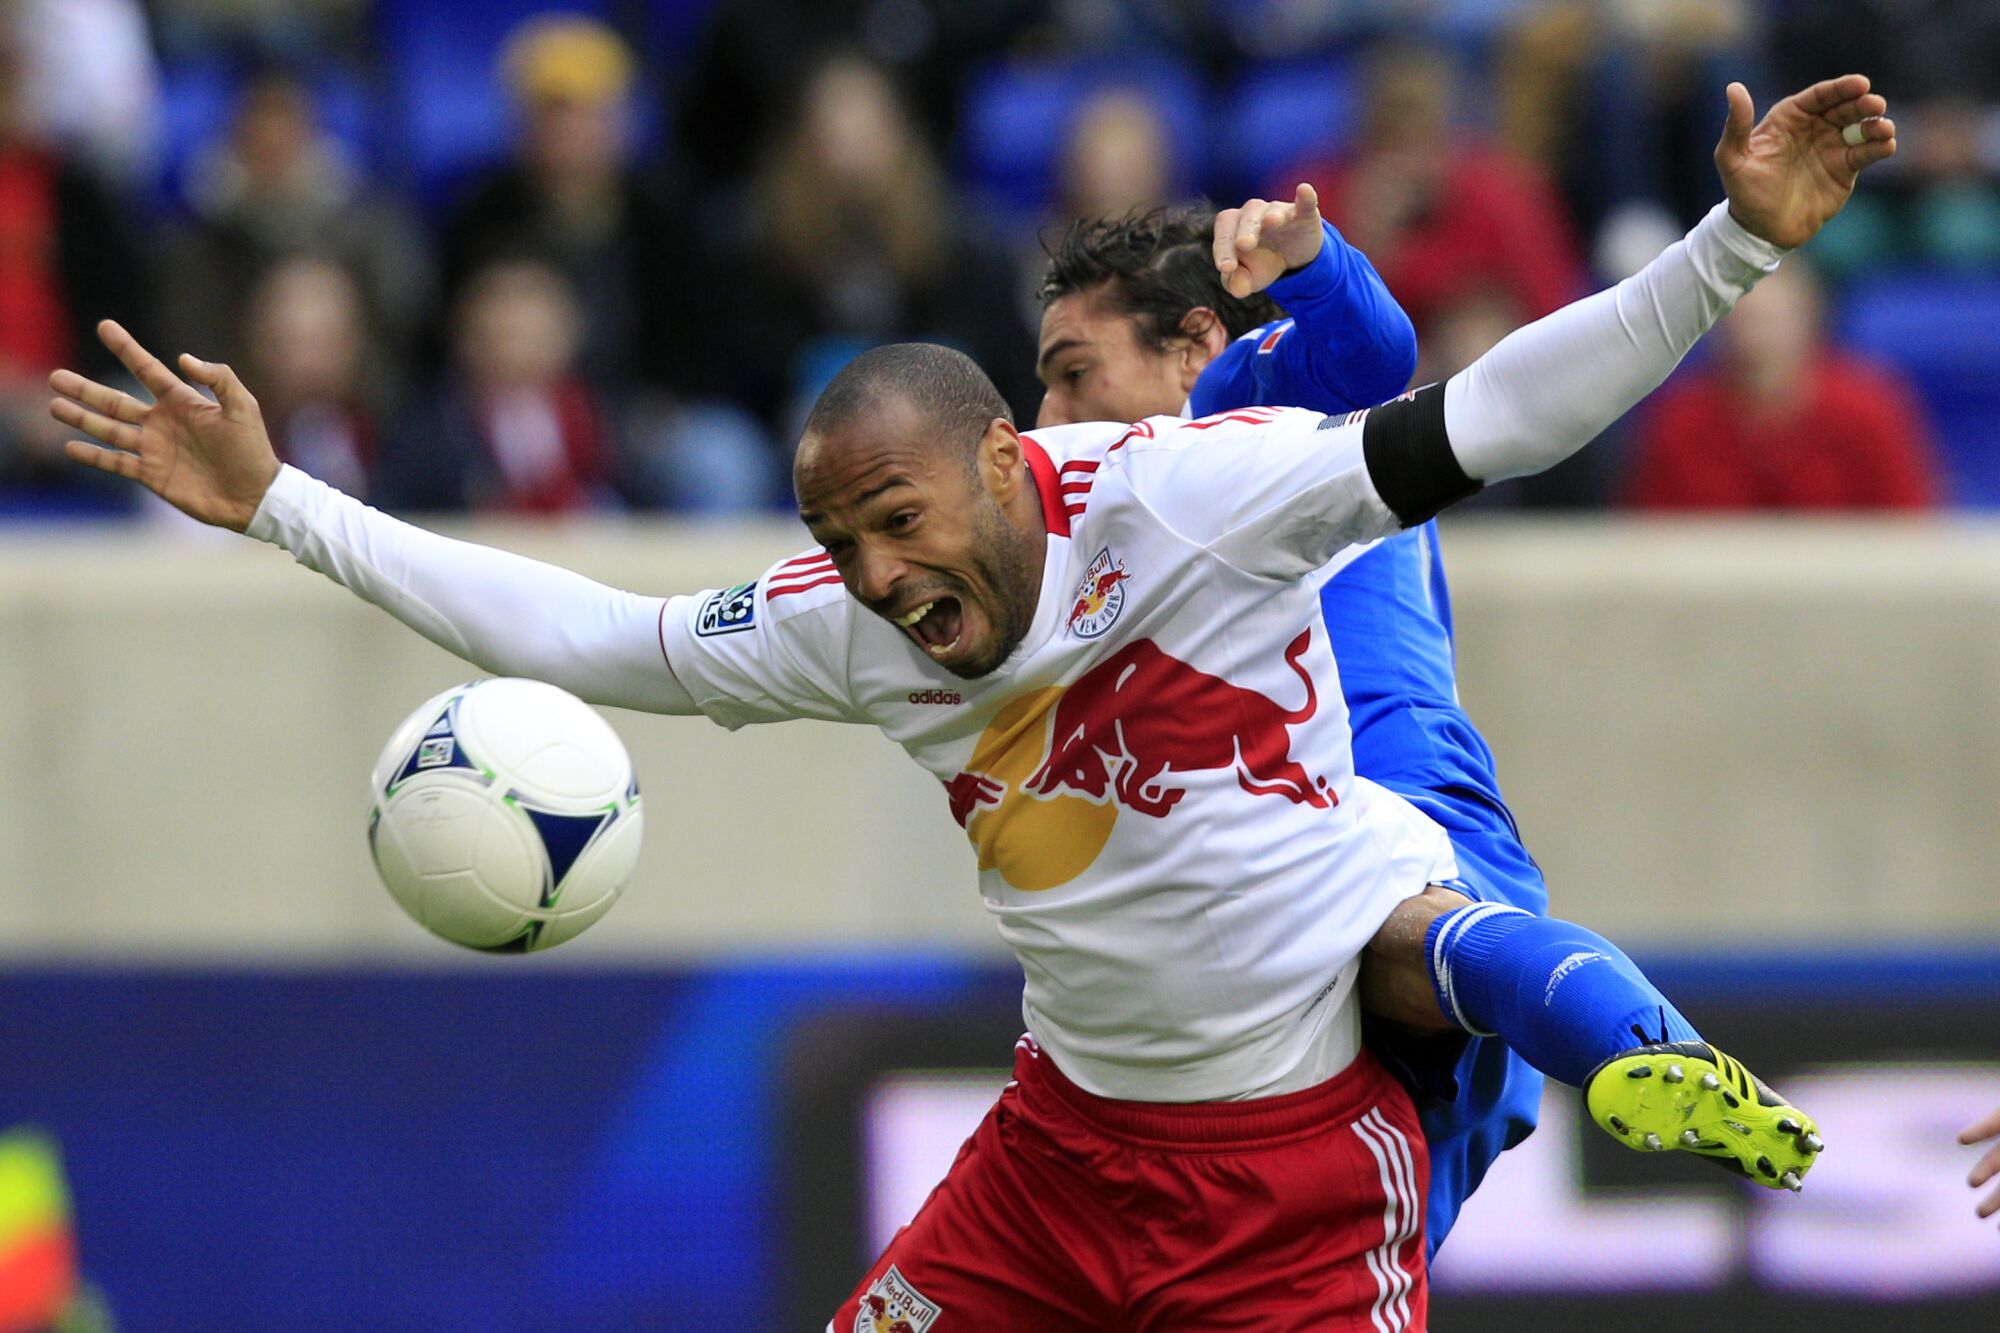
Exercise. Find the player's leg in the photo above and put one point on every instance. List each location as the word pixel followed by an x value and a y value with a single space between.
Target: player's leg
pixel 1574 1006
pixel 1016 1236
pixel 1475 1096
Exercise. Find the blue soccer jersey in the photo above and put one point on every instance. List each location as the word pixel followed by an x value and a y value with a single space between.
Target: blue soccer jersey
pixel 1348 345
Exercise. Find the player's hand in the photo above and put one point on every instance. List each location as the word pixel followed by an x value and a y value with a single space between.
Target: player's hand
pixel 1259 243
pixel 209 458
pixel 1794 170
pixel 1988 1166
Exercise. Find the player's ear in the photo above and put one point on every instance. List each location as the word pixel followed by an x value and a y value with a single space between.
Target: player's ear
pixel 1202 339
pixel 1003 465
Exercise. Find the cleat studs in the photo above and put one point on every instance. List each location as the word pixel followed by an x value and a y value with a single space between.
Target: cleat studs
pixel 1653 1143
pixel 1788 1126
pixel 1675 1074
pixel 1710 1082
pixel 1764 1165
pixel 1814 1143
pixel 1619 1126
pixel 1643 1071
pixel 1790 1180
pixel 1690 1138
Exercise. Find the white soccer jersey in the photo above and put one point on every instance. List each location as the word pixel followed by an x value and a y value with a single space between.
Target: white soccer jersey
pixel 1157 781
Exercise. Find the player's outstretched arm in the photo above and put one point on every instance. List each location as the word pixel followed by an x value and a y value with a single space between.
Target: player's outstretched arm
pixel 1548 389
pixel 509 615
pixel 1988 1167
pixel 1350 346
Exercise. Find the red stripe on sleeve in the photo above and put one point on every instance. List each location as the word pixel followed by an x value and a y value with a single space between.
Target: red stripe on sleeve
pixel 811 560
pixel 822 581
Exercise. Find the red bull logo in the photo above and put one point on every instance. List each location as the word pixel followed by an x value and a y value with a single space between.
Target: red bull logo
pixel 892 1305
pixel 1100 596
pixel 1051 772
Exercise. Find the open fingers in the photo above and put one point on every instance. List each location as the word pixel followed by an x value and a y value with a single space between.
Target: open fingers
pixel 220 380
pixel 78 417
pixel 114 461
pixel 145 367
pixel 1987 1168
pixel 100 397
pixel 1986 1127
pixel 1306 200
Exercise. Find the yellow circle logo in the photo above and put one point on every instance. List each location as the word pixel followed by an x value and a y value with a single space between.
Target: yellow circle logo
pixel 1035 842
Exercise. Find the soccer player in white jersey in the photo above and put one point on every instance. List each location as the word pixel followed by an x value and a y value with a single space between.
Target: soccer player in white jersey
pixel 1148 751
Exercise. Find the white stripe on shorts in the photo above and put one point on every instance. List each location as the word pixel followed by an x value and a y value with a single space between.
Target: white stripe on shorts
pixel 1400 1220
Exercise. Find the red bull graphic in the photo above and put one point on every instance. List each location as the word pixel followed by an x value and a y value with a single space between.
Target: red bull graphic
pixel 1048 777
pixel 892 1305
pixel 1153 715
pixel 1100 596
pixel 969 791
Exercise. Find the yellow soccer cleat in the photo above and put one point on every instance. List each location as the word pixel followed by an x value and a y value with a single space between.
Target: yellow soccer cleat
pixel 1686 1096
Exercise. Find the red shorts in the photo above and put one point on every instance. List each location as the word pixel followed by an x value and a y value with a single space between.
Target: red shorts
pixel 1067 1211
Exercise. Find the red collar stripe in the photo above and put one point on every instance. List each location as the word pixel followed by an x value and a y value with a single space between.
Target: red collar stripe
pixel 1044 472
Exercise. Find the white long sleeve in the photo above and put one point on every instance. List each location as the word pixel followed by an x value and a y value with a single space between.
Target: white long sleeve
pixel 504 613
pixel 1548 389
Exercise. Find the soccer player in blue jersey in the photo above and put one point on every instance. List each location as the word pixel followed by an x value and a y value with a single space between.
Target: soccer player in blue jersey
pixel 1188 312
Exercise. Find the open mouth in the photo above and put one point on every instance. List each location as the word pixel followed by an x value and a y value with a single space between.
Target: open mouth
pixel 936 625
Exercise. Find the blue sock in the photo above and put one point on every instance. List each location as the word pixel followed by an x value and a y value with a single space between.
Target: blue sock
pixel 1565 998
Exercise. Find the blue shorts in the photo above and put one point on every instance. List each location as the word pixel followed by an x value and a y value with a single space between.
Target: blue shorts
pixel 1475 1097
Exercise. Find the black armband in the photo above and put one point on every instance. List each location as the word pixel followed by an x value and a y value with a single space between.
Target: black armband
pixel 1409 457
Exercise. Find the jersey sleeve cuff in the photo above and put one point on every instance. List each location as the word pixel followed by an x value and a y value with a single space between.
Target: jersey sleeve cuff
pixel 1728 256
pixel 1313 281
pixel 286 508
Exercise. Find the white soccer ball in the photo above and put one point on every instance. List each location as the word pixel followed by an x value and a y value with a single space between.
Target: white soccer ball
pixel 506 817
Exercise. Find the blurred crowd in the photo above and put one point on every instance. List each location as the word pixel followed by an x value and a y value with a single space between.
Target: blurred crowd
pixel 549 257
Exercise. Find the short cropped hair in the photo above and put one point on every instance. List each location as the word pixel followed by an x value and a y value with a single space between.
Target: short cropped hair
pixel 946 385
pixel 1154 266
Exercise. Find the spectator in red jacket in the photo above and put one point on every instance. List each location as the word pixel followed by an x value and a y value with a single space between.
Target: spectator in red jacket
pixel 515 428
pixel 1782 421
pixel 1442 213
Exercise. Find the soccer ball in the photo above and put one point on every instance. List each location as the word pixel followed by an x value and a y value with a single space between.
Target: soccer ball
pixel 506 817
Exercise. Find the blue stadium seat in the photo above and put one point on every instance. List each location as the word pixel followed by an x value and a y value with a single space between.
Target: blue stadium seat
pixel 450 110
pixel 675 27
pixel 1016 119
pixel 1942 330
pixel 1278 115
pixel 198 101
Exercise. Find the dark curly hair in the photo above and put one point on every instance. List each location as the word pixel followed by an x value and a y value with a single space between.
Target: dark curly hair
pixel 1155 266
